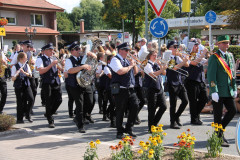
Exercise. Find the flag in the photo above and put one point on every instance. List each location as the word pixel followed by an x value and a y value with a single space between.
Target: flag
pixel 186 5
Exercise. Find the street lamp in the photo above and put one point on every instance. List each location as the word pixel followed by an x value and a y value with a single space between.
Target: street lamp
pixel 30 32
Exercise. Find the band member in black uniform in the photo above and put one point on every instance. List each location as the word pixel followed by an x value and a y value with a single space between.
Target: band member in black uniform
pixel 123 83
pixel 111 107
pixel 176 87
pixel 73 66
pixel 196 88
pixel 139 90
pixel 3 84
pixel 20 75
pixel 101 78
pixel 155 93
pixel 51 84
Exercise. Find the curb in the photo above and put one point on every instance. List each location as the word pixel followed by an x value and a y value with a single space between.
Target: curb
pixel 14 131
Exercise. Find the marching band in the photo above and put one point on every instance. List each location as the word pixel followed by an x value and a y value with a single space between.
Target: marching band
pixel 122 77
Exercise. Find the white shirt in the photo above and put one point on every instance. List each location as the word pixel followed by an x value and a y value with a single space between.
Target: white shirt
pixel 39 62
pixel 107 70
pixel 99 67
pixel 68 64
pixel 185 41
pixel 148 68
pixel 13 54
pixel 178 59
pixel 200 48
pixel 142 50
pixel 4 57
pixel 14 59
pixel 13 70
pixel 115 63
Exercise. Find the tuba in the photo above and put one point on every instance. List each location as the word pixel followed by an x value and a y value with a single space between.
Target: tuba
pixel 2 66
pixel 85 77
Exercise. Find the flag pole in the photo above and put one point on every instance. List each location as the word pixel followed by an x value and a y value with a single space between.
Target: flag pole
pixel 188 28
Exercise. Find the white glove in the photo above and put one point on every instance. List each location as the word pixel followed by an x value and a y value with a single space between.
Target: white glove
pixel 235 94
pixel 215 97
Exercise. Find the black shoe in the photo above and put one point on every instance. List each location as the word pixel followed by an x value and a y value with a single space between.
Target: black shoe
pixel 89 118
pixel 43 105
pixel 29 119
pixel 55 113
pixel 174 126
pixel 20 122
pixel 105 118
pixel 178 122
pixel 225 144
pixel 131 134
pixel 137 122
pixel 120 136
pixel 198 122
pixel 225 140
pixel 86 121
pixel 45 115
pixel 71 116
pixel 100 112
pixel 1 113
pixel 113 125
pixel 81 130
pixel 51 125
pixel 32 113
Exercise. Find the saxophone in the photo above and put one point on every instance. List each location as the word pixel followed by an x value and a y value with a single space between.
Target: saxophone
pixel 85 77
pixel 3 66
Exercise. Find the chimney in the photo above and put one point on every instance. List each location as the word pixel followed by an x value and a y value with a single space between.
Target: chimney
pixel 81 25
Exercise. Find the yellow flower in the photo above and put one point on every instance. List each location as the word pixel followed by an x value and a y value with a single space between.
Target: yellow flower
pixel 192 142
pixel 160 125
pixel 141 143
pixel 120 142
pixel 160 130
pixel 216 129
pixel 155 143
pixel 164 134
pixel 223 130
pixel 193 138
pixel 140 151
pixel 158 137
pixel 216 125
pixel 150 138
pixel 147 143
pixel 150 155
pixel 151 151
pixel 220 126
pixel 212 124
pixel 127 138
pixel 153 130
pixel 92 144
pixel 98 141
pixel 160 141
pixel 145 147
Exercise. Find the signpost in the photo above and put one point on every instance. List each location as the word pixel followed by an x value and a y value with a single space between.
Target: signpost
pixel 2 33
pixel 210 17
pixel 237 139
pixel 157 6
pixel 159 29
pixel 158 26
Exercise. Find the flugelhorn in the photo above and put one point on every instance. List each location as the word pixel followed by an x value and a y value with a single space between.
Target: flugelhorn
pixel 141 65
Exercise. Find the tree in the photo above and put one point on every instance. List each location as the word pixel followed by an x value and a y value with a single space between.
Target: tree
pixel 90 11
pixel 63 21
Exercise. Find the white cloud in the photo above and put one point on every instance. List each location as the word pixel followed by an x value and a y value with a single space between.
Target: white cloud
pixel 67 5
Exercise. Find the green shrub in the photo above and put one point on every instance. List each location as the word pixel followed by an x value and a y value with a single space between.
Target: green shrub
pixel 6 122
pixel 234 49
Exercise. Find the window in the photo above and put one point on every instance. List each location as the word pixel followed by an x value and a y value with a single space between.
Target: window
pixel 37 19
pixel 10 16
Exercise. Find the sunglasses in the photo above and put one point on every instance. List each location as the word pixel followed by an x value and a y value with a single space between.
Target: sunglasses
pixel 76 49
pixel 175 47
pixel 225 42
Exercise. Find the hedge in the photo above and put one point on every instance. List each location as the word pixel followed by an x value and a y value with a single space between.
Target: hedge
pixel 235 49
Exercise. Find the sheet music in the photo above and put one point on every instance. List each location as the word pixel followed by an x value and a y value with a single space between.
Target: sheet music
pixel 167 55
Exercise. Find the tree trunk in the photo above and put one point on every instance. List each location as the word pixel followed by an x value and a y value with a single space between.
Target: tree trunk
pixel 133 31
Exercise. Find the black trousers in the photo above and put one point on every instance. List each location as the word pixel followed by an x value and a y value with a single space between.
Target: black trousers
pixel 24 94
pixel 155 99
pixel 228 102
pixel 53 97
pixel 3 89
pixel 88 100
pixel 174 93
pixel 77 94
pixel 111 108
pixel 70 100
pixel 101 99
pixel 197 96
pixel 139 92
pixel 125 98
pixel 33 85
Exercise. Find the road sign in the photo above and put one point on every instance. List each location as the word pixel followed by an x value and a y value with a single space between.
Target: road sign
pixel 210 16
pixel 126 35
pixel 2 32
pixel 119 35
pixel 157 6
pixel 158 27
pixel 109 38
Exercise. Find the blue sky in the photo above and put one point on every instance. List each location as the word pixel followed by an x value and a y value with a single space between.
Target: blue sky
pixel 67 5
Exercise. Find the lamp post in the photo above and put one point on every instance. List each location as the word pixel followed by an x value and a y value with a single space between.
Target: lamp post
pixel 30 32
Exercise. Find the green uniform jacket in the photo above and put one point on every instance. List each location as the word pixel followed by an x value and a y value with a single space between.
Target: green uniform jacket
pixel 218 78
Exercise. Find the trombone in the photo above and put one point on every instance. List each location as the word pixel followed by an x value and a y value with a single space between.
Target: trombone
pixel 141 65
pixel 172 64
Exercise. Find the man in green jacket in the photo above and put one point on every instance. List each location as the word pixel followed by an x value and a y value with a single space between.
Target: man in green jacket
pixel 222 84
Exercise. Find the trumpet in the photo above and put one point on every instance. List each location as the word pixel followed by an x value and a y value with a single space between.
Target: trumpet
pixel 172 64
pixel 141 65
pixel 59 61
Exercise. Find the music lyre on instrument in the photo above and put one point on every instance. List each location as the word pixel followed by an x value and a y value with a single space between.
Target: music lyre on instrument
pixel 20 68
pixel 171 63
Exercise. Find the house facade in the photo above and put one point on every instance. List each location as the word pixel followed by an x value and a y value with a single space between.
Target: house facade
pixel 21 14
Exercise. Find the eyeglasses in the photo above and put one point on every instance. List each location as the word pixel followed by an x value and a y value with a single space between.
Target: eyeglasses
pixel 175 47
pixel 76 49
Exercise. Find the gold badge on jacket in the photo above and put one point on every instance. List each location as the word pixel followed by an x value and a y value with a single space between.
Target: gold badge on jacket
pixel 213 84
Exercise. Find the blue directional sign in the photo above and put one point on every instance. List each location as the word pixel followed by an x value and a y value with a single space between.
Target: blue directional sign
pixel 210 16
pixel 158 27
pixel 119 35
